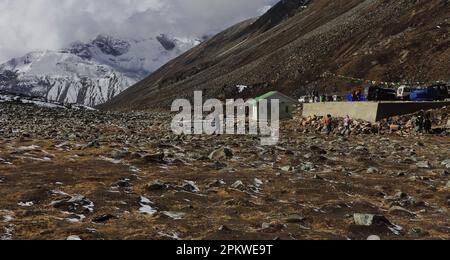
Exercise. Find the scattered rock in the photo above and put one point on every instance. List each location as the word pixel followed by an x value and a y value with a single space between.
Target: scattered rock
pixel 93 144
pixel 400 196
pixel 286 168
pixel 216 184
pixel 293 219
pixel 317 150
pixel 399 211
pixel 119 154
pixel 190 186
pixel 103 218
pixel 73 238
pixel 239 185
pixel 400 199
pixel 370 220
pixel 373 238
pixel 306 167
pixel 76 204
pixel 221 154
pixel 174 215
pixel 273 225
pixel 424 165
pixel 317 177
pixel 219 165
pixel 224 228
pixel 361 149
pixel 154 158
pixel 446 163
pixel 124 183
pixel 156 186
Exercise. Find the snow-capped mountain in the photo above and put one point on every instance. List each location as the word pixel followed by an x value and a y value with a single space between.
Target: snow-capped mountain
pixel 90 73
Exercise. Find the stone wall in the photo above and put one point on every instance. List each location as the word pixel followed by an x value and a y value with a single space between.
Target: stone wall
pixel 368 111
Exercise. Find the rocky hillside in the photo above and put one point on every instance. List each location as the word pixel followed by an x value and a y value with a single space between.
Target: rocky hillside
pixel 296 42
pixel 89 73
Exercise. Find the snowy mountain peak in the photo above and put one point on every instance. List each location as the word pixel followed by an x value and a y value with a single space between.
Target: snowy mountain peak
pixel 90 73
pixel 112 46
pixel 168 43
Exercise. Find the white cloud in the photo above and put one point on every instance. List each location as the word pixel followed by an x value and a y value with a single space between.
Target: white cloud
pixel 50 24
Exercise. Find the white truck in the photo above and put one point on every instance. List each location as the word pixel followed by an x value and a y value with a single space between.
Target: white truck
pixel 404 92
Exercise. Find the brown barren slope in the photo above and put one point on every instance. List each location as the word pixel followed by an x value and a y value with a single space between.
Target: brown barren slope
pixel 290 47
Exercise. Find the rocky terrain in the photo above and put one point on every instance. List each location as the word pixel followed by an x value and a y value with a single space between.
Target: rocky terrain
pixel 295 43
pixel 399 125
pixel 74 173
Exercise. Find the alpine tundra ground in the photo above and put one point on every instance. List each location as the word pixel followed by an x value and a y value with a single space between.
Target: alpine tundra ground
pixel 82 174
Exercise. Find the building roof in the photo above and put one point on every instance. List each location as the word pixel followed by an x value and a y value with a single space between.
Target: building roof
pixel 273 93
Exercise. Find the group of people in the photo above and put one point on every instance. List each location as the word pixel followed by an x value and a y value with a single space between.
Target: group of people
pixel 356 95
pixel 315 97
pixel 328 125
pixel 422 123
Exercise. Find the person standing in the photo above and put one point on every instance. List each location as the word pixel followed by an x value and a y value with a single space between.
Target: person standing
pixel 347 125
pixel 419 124
pixel 328 124
pixel 427 125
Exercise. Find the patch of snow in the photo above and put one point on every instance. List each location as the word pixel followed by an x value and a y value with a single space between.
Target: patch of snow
pixel 174 236
pixel 7 215
pixel 58 192
pixel 146 207
pixel 41 104
pixel 28 148
pixel 174 215
pixel 111 160
pixel 73 238
pixel 258 182
pixel 8 218
pixel 148 210
pixel 76 219
pixel 8 233
pixel 395 229
pixel 241 88
pixel 26 204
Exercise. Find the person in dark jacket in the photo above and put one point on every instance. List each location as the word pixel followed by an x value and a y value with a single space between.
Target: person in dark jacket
pixel 427 125
pixel 419 124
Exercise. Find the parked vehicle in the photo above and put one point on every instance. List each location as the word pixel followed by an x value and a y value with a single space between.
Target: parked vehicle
pixel 376 93
pixel 404 92
pixel 432 93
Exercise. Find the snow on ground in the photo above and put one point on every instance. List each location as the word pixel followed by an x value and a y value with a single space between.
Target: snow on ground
pixel 42 103
pixel 241 88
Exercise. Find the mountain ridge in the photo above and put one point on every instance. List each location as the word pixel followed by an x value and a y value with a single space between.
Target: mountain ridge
pixel 379 40
pixel 89 73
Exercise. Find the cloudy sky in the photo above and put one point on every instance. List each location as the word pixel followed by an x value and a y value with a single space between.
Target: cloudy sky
pixel 51 24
